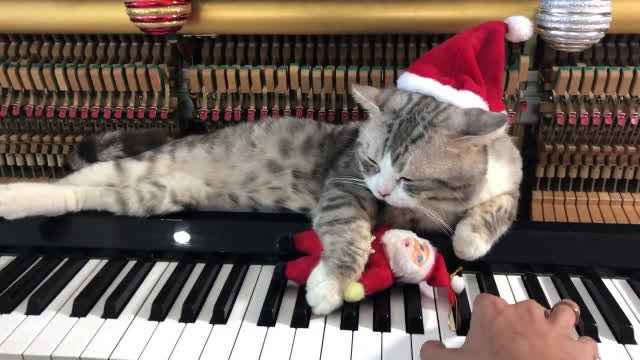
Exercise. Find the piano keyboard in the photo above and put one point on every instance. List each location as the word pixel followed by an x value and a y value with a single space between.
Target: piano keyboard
pixel 70 307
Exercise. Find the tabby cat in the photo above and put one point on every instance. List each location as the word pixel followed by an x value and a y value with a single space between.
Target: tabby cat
pixel 416 163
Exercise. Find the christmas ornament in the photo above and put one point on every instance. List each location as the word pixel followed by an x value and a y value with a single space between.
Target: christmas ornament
pixel 159 17
pixel 573 25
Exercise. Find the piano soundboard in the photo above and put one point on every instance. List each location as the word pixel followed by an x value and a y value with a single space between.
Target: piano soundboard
pixel 211 285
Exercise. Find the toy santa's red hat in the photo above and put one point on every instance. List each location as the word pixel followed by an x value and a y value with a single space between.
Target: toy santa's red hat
pixel 466 70
pixel 438 277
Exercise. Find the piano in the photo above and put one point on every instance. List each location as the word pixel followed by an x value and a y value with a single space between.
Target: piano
pixel 210 285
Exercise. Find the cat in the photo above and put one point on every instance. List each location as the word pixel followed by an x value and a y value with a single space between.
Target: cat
pixel 415 163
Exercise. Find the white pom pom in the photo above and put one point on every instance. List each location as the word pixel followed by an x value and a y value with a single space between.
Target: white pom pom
pixel 520 28
pixel 457 284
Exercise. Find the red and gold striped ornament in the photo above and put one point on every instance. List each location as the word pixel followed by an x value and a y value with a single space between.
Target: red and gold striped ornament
pixel 159 17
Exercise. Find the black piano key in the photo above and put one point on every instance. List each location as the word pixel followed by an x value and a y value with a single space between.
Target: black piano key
pixel 635 285
pixel 349 316
pixel 169 292
pixel 487 283
pixel 273 299
pixel 301 310
pixel 12 271
pixel 382 311
pixel 20 289
pixel 412 309
pixel 464 314
pixel 614 316
pixel 48 291
pixel 119 298
pixel 566 289
pixel 91 293
pixel 198 294
pixel 534 290
pixel 229 293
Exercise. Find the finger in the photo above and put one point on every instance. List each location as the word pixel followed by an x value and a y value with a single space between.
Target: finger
pixel 432 349
pixel 564 315
pixel 588 348
pixel 486 302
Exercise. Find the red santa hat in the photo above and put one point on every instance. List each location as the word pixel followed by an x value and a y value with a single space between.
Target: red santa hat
pixel 466 70
pixel 439 277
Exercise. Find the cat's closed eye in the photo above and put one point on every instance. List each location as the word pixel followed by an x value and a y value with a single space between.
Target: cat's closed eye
pixel 407 180
pixel 373 163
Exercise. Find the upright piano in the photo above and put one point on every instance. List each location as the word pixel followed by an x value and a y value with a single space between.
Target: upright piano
pixel 211 285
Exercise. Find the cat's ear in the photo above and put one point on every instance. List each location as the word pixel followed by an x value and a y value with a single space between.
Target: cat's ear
pixel 478 123
pixel 366 96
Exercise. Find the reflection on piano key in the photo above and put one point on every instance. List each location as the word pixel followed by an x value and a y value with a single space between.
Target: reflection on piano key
pixel 97 287
pixel 165 300
pixel 141 328
pixel 349 316
pixel 198 295
pixel 27 283
pixel 16 344
pixel 16 268
pixel 552 295
pixel 223 336
pixel 447 334
pixel 50 289
pixel 471 287
pixel 279 340
pixel 367 344
pixel 412 309
pixel 195 334
pixel 518 288
pixel 382 311
pixel 251 336
pixel 230 291
pixel 120 297
pixel 534 289
pixel 611 312
pixel 504 289
pixel 396 344
pixel 302 310
pixel 112 330
pixel 308 341
pixel 608 347
pixel 587 325
pixel 271 306
pixel 336 344
pixel 47 341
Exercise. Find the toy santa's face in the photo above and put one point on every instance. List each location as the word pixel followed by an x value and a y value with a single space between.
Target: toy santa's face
pixel 417 251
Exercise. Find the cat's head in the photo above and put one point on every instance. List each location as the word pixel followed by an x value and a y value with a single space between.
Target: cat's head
pixel 415 149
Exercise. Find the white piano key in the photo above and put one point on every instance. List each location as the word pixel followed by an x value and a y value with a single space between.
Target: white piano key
pixel 608 347
pixel 552 295
pixel 112 330
pixel 223 336
pixel 169 330
pixel 140 330
pixel 279 340
pixel 336 344
pixel 504 289
pixel 429 320
pixel 396 344
pixel 84 330
pixel 629 296
pixel 53 334
pixel 367 344
pixel 307 344
pixel 517 288
pixel 448 335
pixel 633 350
pixel 5 259
pixel 9 322
pixel 251 336
pixel 471 287
pixel 14 346
pixel 194 336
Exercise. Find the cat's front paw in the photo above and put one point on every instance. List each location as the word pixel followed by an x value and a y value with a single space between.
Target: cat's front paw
pixel 324 291
pixel 19 200
pixel 469 243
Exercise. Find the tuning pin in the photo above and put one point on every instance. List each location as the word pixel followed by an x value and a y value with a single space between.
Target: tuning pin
pixel 62 112
pixel 237 114
pixel 73 111
pixel 332 116
pixel 130 112
pixel 39 110
pixel 355 115
pixel 106 113
pixel 15 110
pixel 215 115
pixel 4 109
pixel 164 113
pixel 299 111
pixel 202 114
pixel 153 112
pixel 141 111
pixel 95 112
pixel 572 118
pixel 51 110
pixel 251 114
pixel 310 113
pixel 322 115
pixel 117 112
pixel 28 110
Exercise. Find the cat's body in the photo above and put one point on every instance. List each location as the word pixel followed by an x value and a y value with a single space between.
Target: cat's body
pixel 416 163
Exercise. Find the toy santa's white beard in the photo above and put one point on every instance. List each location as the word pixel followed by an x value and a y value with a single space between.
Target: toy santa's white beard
pixel 402 266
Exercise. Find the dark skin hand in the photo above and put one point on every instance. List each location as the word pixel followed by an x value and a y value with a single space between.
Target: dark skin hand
pixel 523 331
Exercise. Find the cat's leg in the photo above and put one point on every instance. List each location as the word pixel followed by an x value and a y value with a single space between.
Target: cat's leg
pixel 343 222
pixel 150 196
pixel 483 225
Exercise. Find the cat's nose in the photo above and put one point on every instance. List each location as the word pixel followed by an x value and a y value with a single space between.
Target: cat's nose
pixel 385 188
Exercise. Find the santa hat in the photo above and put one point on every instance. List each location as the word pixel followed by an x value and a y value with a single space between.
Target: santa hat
pixel 439 277
pixel 466 70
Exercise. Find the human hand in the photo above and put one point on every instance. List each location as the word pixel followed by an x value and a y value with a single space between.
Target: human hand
pixel 523 331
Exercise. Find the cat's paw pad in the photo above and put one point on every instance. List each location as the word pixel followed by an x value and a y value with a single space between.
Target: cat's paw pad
pixel 468 244
pixel 324 292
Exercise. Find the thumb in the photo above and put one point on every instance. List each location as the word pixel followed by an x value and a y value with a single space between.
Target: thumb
pixel 432 349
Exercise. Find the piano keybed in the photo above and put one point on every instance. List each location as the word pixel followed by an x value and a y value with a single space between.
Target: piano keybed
pixel 60 307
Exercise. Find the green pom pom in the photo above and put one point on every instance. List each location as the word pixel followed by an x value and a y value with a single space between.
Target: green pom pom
pixel 354 292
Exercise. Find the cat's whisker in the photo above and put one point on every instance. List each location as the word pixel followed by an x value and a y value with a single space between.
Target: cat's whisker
pixel 437 218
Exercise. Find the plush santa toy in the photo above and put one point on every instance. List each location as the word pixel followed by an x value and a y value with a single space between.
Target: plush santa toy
pixel 396 255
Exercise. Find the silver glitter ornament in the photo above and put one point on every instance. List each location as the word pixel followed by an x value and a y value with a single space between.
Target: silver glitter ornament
pixel 573 25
